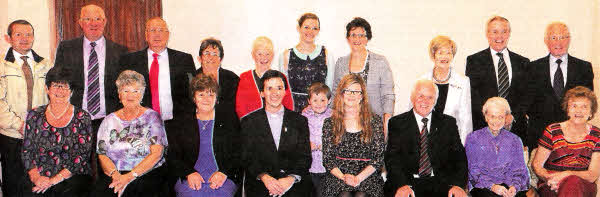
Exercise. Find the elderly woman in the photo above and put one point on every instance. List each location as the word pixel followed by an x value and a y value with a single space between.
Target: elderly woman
pixel 131 142
pixel 496 163
pixel 567 159
pixel 210 57
pixel 454 89
pixel 373 68
pixel 56 145
pixel 306 62
pixel 248 94
pixel 353 143
pixel 203 154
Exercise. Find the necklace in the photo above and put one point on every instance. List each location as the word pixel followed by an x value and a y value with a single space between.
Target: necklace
pixel 441 81
pixel 61 114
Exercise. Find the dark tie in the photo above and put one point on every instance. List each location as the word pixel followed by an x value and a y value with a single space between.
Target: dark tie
pixel 503 83
pixel 154 73
pixel 28 79
pixel 424 162
pixel 93 81
pixel 558 80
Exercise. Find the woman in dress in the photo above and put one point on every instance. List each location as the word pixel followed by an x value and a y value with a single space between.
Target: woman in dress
pixel 306 62
pixel 567 160
pixel 131 142
pixel 203 154
pixel 210 57
pixel 373 68
pixel 454 89
pixel 56 144
pixel 353 143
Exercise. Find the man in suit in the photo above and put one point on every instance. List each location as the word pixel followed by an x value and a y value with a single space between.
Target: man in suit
pixel 276 145
pixel 22 87
pixel 165 70
pixel 550 77
pixel 496 71
pixel 424 156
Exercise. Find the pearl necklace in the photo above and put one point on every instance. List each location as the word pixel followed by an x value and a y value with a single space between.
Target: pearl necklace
pixel 441 81
pixel 61 114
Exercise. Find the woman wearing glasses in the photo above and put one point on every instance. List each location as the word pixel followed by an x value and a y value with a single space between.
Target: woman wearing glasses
pixel 210 57
pixel 353 143
pixel 373 68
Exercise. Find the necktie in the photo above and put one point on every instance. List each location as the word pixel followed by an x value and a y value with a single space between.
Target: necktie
pixel 424 162
pixel 93 81
pixel 558 85
pixel 503 83
pixel 28 79
pixel 154 70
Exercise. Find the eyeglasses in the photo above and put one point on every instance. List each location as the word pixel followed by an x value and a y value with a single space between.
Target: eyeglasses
pixel 157 30
pixel 210 53
pixel 134 91
pixel 94 19
pixel 352 92
pixel 555 38
pixel 60 86
pixel 358 35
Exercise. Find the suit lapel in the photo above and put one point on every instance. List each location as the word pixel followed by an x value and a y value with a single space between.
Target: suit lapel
pixel 548 83
pixel 491 70
pixel 267 130
pixel 571 73
pixel 516 68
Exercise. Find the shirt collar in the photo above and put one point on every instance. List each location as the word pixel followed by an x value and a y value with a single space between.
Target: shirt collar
pixel 503 51
pixel 564 59
pixel 18 55
pixel 276 114
pixel 161 54
pixel 99 42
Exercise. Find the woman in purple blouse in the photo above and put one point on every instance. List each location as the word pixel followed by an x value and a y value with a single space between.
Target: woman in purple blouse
pixel 496 163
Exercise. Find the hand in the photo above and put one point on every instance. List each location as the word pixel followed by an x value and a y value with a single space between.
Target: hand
pixel 351 180
pixel 499 190
pixel 313 146
pixel 56 179
pixel 555 179
pixel 272 185
pixel 405 191
pixel 22 128
pixel 195 181
pixel 42 183
pixel 286 183
pixel 456 191
pixel 120 181
pixel 508 121
pixel 512 191
pixel 217 179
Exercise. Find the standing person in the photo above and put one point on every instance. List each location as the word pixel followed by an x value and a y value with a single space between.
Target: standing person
pixel 353 143
pixel 22 78
pixel 373 68
pixel 276 144
pixel 454 98
pixel 210 57
pixel 316 112
pixel 424 156
pixel 165 70
pixel 306 62
pixel 550 77
pixel 497 71
pixel 248 98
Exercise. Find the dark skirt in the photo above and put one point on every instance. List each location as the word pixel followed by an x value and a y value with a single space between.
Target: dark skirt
pixel 151 184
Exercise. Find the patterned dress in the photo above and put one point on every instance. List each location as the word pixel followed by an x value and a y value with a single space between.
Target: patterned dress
pixel 566 155
pixel 302 73
pixel 52 149
pixel 351 156
pixel 206 165
pixel 127 143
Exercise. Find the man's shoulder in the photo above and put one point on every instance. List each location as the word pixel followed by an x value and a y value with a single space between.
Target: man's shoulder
pixel 518 57
pixel 174 52
pixel 402 117
pixel 578 61
pixel 479 54
pixel 72 42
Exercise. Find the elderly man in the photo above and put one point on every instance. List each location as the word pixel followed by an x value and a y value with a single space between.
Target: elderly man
pixel 22 87
pixel 424 156
pixel 496 71
pixel 165 70
pixel 550 77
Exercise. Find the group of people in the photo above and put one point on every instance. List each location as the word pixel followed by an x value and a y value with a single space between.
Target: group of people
pixel 104 122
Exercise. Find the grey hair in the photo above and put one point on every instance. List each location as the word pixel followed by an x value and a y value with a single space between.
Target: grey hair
pixel 497 102
pixel 130 77
pixel 425 82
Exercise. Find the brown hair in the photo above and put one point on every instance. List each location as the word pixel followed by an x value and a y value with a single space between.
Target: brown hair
pixel 319 88
pixel 201 83
pixel 580 92
pixel 365 116
pixel 307 16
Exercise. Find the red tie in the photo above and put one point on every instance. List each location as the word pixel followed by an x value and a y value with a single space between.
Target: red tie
pixel 154 84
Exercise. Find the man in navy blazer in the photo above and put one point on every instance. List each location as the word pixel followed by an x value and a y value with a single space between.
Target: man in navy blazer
pixel 486 73
pixel 549 78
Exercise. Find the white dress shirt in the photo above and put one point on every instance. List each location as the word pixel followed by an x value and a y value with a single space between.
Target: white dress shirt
pixel 496 59
pixel 164 83
pixel 100 49
pixel 554 67
pixel 19 61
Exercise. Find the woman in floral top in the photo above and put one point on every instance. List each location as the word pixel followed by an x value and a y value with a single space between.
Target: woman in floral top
pixel 56 144
pixel 131 142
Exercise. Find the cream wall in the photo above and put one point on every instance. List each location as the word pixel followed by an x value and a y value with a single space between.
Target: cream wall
pixel 37 12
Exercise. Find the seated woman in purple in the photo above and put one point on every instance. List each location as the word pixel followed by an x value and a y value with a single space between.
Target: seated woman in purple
pixel 495 155
pixel 131 142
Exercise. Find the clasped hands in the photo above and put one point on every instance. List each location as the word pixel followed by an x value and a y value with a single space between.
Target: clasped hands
pixel 406 191
pixel 216 180
pixel 352 180
pixel 502 191
pixel 43 183
pixel 277 187
pixel 554 180
pixel 119 181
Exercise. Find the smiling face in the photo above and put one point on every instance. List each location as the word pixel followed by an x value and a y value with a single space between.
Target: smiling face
pixel 498 32
pixel 273 93
pixel 131 95
pixel 157 34
pixel 309 30
pixel 495 117
pixel 92 21
pixel 205 100
pixel 443 57
pixel 579 110
pixel 353 95
pixel 357 39
pixel 318 102
pixel 262 58
pixel 423 98
pixel 210 58
pixel 557 39
pixel 59 93
pixel 21 39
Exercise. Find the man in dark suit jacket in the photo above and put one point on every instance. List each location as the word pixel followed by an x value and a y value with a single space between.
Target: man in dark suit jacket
pixel 276 145
pixel 490 79
pixel 168 92
pixel 437 167
pixel 548 83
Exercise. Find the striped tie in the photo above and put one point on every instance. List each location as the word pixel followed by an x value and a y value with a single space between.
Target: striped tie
pixel 503 83
pixel 424 162
pixel 93 81
pixel 559 82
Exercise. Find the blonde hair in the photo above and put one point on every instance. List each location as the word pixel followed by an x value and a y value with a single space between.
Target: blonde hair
pixel 262 42
pixel 439 42
pixel 497 102
pixel 365 115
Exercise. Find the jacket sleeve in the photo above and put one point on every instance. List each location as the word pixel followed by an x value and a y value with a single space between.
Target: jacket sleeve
pixel 387 88
pixel 457 170
pixel 177 166
pixel 8 118
pixel 304 157
pixel 393 155
pixel 465 122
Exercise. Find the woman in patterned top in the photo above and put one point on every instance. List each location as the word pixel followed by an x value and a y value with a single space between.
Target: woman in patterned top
pixel 56 145
pixel 306 62
pixel 131 142
pixel 353 143
pixel 567 159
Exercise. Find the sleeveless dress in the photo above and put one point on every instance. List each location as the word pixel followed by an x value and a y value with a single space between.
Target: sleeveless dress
pixel 302 73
